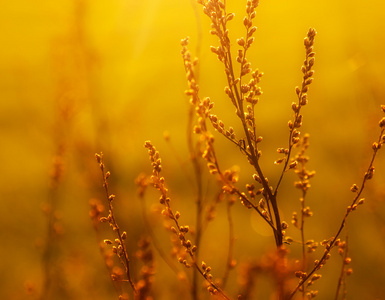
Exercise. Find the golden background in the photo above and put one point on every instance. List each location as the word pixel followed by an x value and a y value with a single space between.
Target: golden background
pixel 79 77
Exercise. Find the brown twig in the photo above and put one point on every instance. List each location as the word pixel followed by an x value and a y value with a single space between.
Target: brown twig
pixel 120 250
pixel 356 201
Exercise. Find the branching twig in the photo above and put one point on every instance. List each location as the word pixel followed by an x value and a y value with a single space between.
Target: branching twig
pixel 120 250
pixel 356 201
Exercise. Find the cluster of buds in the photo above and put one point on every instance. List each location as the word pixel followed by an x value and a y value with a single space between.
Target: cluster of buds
pixel 154 157
pixel 354 188
pixel 250 189
pixel 251 90
pixel 354 206
pixel 311 246
pixel 248 23
pixel 307 212
pixel 284 151
pixel 294 219
pixel 118 247
pixel 220 127
pixel 369 174
pixel 314 278
pixel 311 294
pixel 302 91
pixel 300 274
pixel 341 247
pixel 206 270
pixel 307 67
pixel 189 65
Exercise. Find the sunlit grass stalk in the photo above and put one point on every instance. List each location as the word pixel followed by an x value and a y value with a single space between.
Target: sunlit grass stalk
pixel 141 182
pixel 356 201
pixel 237 91
pixel 159 183
pixel 120 250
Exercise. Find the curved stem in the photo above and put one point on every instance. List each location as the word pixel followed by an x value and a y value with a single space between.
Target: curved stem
pixel 343 222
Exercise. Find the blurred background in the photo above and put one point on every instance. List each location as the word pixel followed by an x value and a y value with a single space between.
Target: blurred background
pixel 81 76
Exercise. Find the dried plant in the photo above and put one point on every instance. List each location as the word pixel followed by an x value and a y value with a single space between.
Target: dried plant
pixel 118 245
pixel 259 194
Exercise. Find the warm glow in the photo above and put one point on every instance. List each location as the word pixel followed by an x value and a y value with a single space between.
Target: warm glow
pixel 88 76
